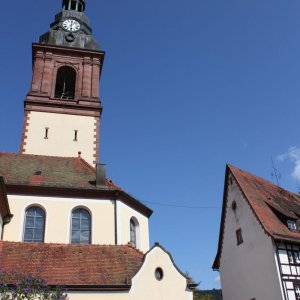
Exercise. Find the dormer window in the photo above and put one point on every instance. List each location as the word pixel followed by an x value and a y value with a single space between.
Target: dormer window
pixel 291 225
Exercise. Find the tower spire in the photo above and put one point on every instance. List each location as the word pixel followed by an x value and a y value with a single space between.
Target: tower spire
pixel 71 28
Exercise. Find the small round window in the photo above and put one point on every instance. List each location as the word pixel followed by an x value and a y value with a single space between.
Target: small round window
pixel 159 274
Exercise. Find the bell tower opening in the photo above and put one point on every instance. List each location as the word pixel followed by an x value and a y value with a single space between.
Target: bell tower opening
pixel 65 83
pixel 77 5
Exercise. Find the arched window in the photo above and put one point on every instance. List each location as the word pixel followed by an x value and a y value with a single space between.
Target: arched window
pixel 65 83
pixel 81 226
pixel 133 231
pixel 34 227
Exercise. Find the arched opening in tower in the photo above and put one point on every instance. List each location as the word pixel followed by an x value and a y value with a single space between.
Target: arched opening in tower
pixel 65 83
pixel 77 5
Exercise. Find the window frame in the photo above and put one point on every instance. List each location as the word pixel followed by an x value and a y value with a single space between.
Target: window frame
pixel 292 225
pixel 133 232
pixel 137 243
pixel 34 206
pixel 239 236
pixel 81 208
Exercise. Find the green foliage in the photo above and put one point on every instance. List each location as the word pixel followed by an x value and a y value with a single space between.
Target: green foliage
pixel 14 286
pixel 208 295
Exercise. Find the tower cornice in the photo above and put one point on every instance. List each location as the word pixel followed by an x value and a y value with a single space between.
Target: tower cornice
pixel 69 50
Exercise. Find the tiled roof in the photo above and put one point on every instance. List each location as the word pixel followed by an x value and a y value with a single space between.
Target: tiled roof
pixel 73 265
pixel 269 201
pixel 67 172
pixel 271 204
pixel 38 174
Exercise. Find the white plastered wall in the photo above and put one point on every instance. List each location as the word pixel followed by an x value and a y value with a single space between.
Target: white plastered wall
pixel 124 214
pixel 60 141
pixel 58 219
pixel 249 270
pixel 145 286
pixel 172 286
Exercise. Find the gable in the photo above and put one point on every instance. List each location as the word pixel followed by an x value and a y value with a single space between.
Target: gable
pixel 266 201
pixel 169 283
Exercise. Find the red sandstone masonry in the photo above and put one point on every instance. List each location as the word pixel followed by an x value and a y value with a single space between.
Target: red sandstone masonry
pixel 24 131
pixel 96 142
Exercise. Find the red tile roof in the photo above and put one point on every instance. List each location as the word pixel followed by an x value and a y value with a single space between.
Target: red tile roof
pixel 271 204
pixel 80 266
pixel 59 176
pixel 67 172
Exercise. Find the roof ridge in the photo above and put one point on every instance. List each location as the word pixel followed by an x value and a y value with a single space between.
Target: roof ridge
pixel 233 168
pixel 86 163
pixel 108 180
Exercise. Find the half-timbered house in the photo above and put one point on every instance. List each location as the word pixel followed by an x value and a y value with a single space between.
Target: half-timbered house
pixel 259 243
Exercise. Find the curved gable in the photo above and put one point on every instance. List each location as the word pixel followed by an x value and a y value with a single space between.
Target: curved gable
pixel 173 284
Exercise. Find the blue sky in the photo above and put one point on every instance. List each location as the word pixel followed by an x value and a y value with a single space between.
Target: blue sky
pixel 187 86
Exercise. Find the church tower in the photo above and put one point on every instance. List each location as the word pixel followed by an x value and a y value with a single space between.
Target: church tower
pixel 62 107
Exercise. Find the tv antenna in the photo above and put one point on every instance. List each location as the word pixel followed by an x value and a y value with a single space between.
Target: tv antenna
pixel 275 173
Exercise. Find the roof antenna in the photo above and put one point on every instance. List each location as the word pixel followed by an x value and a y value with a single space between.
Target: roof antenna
pixel 275 174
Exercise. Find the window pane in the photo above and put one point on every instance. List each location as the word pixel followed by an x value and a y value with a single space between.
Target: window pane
pixel 30 212
pixel 85 215
pixel 76 214
pixel 39 212
pixel 39 223
pixel 76 224
pixel 75 236
pixel 29 222
pixel 85 237
pixel 38 234
pixel 28 236
pixel 85 224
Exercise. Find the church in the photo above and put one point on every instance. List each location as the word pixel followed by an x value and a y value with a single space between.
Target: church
pixel 61 218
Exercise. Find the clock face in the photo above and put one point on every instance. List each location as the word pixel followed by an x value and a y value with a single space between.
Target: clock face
pixel 71 25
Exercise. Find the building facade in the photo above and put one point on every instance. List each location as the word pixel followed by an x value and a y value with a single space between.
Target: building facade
pixel 61 218
pixel 259 242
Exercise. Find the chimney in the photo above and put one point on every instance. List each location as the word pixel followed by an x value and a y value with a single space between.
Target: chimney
pixel 100 175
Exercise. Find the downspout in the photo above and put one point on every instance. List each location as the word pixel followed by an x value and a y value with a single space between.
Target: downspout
pixel 116 218
pixel 6 220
